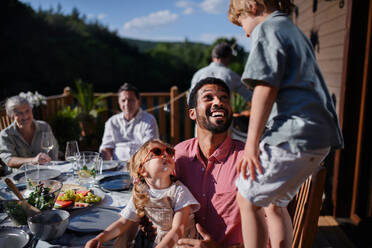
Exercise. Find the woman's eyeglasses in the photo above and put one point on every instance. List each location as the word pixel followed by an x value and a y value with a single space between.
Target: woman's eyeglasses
pixel 158 152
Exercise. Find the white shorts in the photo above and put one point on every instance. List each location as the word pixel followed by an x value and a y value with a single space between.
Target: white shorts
pixel 283 174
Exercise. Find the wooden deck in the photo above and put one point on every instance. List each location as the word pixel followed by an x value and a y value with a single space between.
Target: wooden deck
pixel 331 235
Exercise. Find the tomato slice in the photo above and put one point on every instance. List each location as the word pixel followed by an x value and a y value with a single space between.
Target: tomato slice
pixel 84 192
pixel 63 204
pixel 81 204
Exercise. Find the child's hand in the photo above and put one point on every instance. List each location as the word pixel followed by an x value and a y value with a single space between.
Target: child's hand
pixel 251 161
pixel 93 243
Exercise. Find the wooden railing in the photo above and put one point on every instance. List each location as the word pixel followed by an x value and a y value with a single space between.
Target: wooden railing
pixel 173 121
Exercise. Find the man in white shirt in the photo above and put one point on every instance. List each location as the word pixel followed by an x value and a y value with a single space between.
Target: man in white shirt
pixel 127 131
pixel 221 55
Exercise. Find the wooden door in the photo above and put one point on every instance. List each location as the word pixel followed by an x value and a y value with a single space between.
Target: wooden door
pixel 361 206
pixel 352 173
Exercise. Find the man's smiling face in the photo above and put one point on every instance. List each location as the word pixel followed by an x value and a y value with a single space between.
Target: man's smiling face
pixel 213 109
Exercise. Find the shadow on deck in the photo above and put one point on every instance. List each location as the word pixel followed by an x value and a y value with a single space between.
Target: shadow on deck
pixel 341 233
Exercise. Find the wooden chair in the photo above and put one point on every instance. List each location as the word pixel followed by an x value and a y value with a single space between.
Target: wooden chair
pixel 304 209
pixel 4 119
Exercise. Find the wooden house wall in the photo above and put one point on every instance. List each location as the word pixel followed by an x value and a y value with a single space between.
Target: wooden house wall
pixel 330 22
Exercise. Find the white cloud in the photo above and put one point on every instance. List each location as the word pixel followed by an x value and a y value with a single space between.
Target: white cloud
pixel 214 6
pixel 183 4
pixel 159 18
pixel 187 6
pixel 188 11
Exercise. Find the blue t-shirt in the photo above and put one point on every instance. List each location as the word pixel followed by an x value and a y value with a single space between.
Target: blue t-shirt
pixel 303 114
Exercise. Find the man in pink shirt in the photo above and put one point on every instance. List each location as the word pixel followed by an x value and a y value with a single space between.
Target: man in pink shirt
pixel 206 165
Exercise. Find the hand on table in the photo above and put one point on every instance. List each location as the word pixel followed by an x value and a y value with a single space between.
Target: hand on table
pixel 41 158
pixel 206 242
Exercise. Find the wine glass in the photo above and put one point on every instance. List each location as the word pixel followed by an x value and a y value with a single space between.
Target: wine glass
pixel 47 143
pixel 72 154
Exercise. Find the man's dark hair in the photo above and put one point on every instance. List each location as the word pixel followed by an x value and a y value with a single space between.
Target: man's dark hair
pixel 209 80
pixel 129 87
pixel 222 50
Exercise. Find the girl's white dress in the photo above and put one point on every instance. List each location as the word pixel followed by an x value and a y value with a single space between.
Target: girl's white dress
pixel 162 206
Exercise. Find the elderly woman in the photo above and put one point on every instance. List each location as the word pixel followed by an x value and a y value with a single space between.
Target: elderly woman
pixel 20 142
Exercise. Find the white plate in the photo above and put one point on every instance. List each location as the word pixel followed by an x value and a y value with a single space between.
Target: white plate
pixel 93 219
pixel 110 164
pixel 13 237
pixel 35 174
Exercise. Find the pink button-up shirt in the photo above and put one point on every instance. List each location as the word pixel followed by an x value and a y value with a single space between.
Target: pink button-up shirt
pixel 213 185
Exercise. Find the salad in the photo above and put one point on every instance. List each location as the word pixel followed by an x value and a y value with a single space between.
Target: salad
pixel 39 198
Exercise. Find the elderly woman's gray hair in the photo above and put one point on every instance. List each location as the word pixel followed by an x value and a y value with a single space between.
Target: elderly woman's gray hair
pixel 13 102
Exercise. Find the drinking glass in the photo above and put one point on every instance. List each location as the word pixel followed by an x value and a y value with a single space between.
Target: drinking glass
pixel 72 155
pixel 32 176
pixel 46 142
pixel 90 165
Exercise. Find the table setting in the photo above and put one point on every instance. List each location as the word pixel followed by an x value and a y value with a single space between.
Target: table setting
pixel 97 189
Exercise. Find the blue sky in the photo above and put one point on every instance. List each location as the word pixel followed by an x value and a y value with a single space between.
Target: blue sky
pixel 157 20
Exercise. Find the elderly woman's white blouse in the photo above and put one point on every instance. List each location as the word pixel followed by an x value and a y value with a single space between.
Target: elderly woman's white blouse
pixel 12 144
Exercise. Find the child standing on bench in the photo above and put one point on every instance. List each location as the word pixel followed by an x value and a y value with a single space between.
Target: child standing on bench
pixel 293 122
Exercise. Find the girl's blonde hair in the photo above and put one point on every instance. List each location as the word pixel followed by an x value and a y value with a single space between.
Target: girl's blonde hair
pixel 241 7
pixel 140 187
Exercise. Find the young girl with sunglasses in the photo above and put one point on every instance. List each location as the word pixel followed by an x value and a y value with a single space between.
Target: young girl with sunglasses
pixel 165 201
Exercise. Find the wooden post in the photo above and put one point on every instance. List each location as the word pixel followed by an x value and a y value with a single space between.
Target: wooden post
pixel 161 120
pixel 174 117
pixel 68 98
pixel 189 125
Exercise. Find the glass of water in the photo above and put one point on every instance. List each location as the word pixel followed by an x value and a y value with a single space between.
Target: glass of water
pixel 90 165
pixel 73 155
pixel 32 176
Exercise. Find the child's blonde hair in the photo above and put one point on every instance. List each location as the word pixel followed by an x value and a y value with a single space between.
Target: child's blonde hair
pixel 140 187
pixel 240 7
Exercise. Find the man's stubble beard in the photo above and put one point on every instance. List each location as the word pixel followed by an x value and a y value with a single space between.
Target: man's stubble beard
pixel 204 122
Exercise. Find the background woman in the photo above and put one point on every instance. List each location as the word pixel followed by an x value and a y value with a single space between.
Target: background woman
pixel 20 142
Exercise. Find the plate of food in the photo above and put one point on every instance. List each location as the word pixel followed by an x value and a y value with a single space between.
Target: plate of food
pixel 115 182
pixel 75 196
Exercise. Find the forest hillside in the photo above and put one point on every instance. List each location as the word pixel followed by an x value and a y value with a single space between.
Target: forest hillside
pixel 46 50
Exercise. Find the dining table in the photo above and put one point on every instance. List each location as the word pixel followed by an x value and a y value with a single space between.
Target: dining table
pixel 80 230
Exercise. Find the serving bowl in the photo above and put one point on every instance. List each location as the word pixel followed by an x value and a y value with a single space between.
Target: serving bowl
pixel 49 224
pixel 40 198
pixel 45 194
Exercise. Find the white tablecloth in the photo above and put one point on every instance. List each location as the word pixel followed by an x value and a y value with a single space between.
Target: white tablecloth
pixel 111 199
